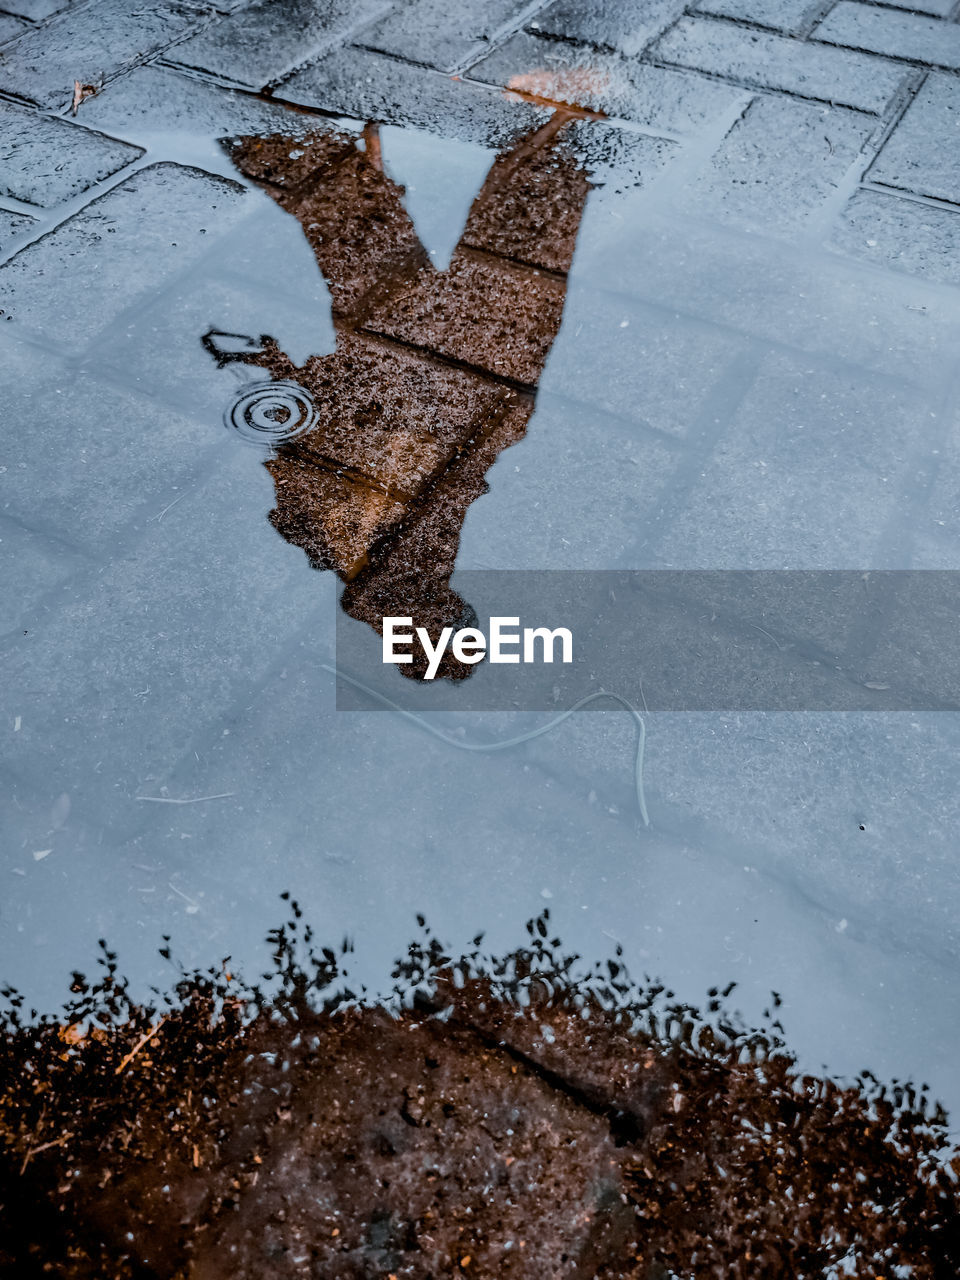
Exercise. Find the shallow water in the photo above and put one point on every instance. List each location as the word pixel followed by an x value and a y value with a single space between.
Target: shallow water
pixel 716 397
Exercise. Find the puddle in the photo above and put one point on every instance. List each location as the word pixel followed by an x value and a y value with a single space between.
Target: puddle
pixel 703 397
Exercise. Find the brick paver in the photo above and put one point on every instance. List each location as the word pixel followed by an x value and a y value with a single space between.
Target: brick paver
pixel 12 224
pixel 921 154
pixel 371 86
pixel 787 16
pixel 118 249
pixel 767 61
pixel 455 35
pixel 261 41
pixel 93 44
pixel 659 98
pixel 897 35
pixel 781 161
pixel 907 235
pixel 624 25
pixel 11 26
pixel 45 160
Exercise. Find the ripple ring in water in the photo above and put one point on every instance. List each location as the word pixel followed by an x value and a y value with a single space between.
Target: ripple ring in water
pixel 269 413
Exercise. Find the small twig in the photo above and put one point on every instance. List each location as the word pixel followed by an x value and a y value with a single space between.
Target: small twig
pixel 147 1035
pixel 35 1151
pixel 224 795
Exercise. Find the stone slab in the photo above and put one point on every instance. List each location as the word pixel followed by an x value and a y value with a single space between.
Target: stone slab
pixel 779 165
pixel 922 154
pixel 45 160
pixel 625 25
pixel 637 363
pixel 369 86
pixel 70 284
pixel 260 42
pixel 907 235
pixel 98 457
pixel 437 34
pixel 92 43
pixel 12 225
pixel 153 98
pixel 790 483
pixel 765 61
pixel 896 35
pixel 787 295
pixel 787 16
pixel 660 99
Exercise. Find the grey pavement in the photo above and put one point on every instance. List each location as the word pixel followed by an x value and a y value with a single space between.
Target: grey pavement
pixel 757 367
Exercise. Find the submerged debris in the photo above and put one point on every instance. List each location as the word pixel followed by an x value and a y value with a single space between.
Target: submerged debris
pixel 501 1116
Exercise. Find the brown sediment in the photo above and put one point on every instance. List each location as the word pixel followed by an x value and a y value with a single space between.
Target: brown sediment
pixel 435 371
pixel 505 1117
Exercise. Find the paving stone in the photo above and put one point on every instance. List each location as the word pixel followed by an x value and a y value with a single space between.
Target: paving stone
pixel 540 513
pixel 789 16
pixel 635 362
pixel 45 160
pixel 779 164
pixel 38 9
pixel 764 61
pixel 481 310
pixel 74 281
pixel 625 25
pixel 11 26
pixel 156 98
pixel 939 8
pixel 805 476
pixel 98 457
pixel 658 98
pixel 12 224
pixel 438 34
pixel 260 42
pixel 168 635
pixel 30 567
pixel 923 152
pixel 92 43
pixel 907 235
pixel 369 86
pixel 619 159
pixel 892 324
pixel 897 35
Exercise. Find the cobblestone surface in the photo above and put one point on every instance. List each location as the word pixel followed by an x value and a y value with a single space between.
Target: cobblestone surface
pixel 756 365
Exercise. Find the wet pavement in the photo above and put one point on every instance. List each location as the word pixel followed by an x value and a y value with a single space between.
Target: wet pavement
pixel 748 361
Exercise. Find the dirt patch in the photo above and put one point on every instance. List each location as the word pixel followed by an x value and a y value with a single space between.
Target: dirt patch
pixel 502 1116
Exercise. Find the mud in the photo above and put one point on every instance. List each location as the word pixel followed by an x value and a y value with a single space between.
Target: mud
pixel 519 1116
pixel 435 372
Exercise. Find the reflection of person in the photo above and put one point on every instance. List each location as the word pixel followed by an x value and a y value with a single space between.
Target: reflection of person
pixel 434 373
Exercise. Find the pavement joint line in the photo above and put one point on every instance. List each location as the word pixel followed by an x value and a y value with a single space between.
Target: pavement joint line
pixel 751 87
pixel 916 197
